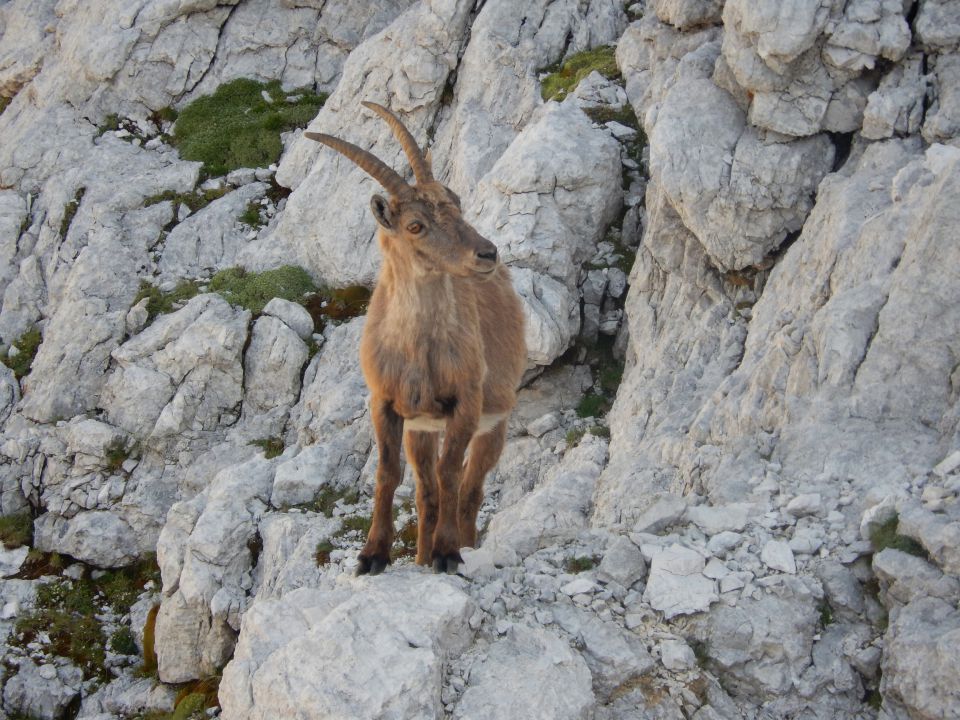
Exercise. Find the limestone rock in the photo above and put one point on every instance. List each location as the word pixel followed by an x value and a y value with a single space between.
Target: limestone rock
pixel 102 538
pixel 918 678
pixel 622 562
pixel 554 510
pixel 343 652
pixel 183 373
pixel 676 585
pixel 44 691
pixel 555 681
pixel 206 563
pixel 687 14
pixel 545 203
pixel 272 364
pixel 294 315
pixel 210 239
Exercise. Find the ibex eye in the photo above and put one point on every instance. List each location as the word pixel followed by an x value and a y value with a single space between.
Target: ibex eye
pixel 415 228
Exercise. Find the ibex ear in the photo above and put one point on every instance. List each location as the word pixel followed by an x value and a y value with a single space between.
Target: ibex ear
pixel 381 211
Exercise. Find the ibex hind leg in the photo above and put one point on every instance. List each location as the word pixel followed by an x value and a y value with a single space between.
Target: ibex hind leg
pixel 388 427
pixel 421 448
pixel 482 457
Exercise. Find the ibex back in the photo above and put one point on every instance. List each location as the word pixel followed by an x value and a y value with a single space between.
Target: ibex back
pixel 442 350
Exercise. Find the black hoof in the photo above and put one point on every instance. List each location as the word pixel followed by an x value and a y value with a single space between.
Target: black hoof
pixel 372 565
pixel 447 563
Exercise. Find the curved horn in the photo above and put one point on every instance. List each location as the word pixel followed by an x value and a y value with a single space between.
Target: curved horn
pixel 366 161
pixel 421 168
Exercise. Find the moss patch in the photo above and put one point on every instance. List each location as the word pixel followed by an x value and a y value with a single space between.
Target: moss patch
pixel 116 454
pixel 64 618
pixel 357 523
pixel 22 361
pixel 592 405
pixel 580 564
pixel 193 200
pixel 254 290
pixel 251 215
pixel 161 303
pixel 123 642
pixel 272 447
pixel 4 102
pixel 886 536
pixel 327 499
pixel 238 127
pixel 70 211
pixel 322 554
pixel 64 612
pixel 16 530
pixel 565 77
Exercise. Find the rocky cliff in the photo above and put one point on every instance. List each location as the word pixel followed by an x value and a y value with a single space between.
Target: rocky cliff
pixel 730 488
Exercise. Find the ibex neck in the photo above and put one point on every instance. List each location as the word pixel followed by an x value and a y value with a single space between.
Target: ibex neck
pixel 419 303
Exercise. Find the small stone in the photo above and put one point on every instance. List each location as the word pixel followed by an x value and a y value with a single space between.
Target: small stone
pixel 715 569
pixel 720 518
pixel 620 131
pixel 731 582
pixel 544 424
pixel 666 511
pixel 11 560
pixel 677 655
pixel 10 610
pixel 241 176
pixel 946 466
pixel 724 542
pixel 476 563
pixel 777 555
pixel 622 562
pixel 579 586
pixel 676 585
pixel 803 505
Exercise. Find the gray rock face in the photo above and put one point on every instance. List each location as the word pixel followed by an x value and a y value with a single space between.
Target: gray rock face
pixel 555 510
pixel 181 375
pixel 211 239
pixel 43 692
pixel 545 203
pixel 919 678
pixel 349 648
pixel 206 563
pixel 677 585
pixel 554 681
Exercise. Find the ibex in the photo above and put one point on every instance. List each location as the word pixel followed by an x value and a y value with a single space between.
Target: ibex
pixel 442 350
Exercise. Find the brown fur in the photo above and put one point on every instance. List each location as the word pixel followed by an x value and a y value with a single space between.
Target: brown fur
pixel 444 342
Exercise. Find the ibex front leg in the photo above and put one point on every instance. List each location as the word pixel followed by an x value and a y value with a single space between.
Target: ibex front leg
pixel 388 427
pixel 460 429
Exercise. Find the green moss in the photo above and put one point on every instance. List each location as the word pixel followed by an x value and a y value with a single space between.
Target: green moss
pixel 254 290
pixel 121 588
pixel 272 447
pixel 64 612
pixel 123 642
pixel 165 114
pixel 603 114
pixel 110 122
pixel 874 699
pixel 236 127
pixel 70 211
pixel 885 536
pixel 322 554
pixel 251 215
pixel 592 405
pixel 600 431
pixel 826 615
pixel 356 523
pixel 22 361
pixel 580 564
pixel 575 436
pixel 193 705
pixel 4 102
pixel 567 75
pixel 327 499
pixel 16 530
pixel 116 454
pixel 161 303
pixel 194 200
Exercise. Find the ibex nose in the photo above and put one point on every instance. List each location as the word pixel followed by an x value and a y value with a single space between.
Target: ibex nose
pixel 490 255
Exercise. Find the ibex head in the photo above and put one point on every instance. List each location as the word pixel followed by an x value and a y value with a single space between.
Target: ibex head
pixel 420 223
